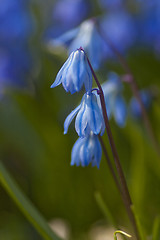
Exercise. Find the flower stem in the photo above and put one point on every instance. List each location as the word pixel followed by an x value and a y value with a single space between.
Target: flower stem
pixel 130 79
pixel 125 192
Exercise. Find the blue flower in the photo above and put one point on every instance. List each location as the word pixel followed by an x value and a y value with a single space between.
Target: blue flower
pixel 74 73
pixel 115 103
pixel 135 109
pixel 87 36
pixel 16 26
pixel 15 21
pixel 89 117
pixel 15 66
pixel 149 29
pixel 87 150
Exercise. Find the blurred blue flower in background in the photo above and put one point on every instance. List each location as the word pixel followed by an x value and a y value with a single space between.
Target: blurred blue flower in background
pixel 14 66
pixel 87 36
pixel 87 150
pixel 15 21
pixel 89 117
pixel 119 28
pixel 149 29
pixel 91 41
pixel 134 106
pixel 115 103
pixel 74 73
pixel 16 26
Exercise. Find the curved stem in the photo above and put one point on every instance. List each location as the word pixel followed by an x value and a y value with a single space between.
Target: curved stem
pixel 125 191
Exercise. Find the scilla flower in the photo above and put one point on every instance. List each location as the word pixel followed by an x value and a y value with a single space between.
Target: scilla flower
pixel 87 150
pixel 115 103
pixel 135 109
pixel 89 117
pixel 74 73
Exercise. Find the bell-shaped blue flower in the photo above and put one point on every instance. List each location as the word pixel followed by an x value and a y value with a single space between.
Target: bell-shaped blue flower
pixel 74 73
pixel 115 103
pixel 135 108
pixel 89 117
pixel 87 150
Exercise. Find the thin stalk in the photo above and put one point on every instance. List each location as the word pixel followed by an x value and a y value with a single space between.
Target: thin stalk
pixel 125 192
pixel 130 79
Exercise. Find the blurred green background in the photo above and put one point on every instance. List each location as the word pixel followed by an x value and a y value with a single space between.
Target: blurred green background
pixel 37 154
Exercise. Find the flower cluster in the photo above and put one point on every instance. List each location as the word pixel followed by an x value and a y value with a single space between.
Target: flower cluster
pixel 89 120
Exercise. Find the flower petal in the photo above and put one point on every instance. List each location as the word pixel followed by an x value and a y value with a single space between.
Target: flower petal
pixel 62 72
pixel 69 119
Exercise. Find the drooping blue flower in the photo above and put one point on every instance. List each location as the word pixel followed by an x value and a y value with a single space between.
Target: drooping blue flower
pixel 89 117
pixel 87 150
pixel 135 108
pixel 115 103
pixel 119 28
pixel 74 73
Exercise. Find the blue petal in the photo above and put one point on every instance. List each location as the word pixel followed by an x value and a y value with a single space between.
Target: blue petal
pixel 97 152
pixel 62 71
pixel 95 118
pixel 85 152
pixel 81 120
pixel 75 160
pixel 120 111
pixel 70 118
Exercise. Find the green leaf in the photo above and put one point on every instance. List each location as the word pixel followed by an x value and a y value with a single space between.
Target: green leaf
pixel 105 210
pixel 138 223
pixel 156 229
pixel 25 205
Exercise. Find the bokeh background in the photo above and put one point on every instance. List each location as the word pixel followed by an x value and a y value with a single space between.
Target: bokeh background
pixel 32 145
